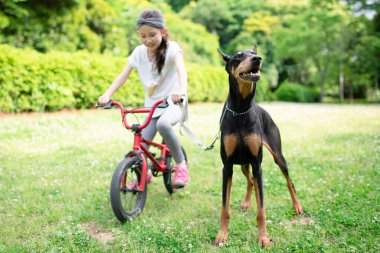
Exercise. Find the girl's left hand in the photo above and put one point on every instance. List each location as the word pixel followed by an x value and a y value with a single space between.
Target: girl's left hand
pixel 177 96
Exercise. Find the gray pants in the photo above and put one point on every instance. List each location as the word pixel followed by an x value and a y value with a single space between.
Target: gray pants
pixel 164 125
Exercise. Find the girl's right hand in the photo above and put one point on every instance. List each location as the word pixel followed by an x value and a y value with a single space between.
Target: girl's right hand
pixel 103 100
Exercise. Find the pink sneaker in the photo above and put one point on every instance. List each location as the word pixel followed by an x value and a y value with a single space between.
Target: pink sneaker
pixel 181 177
pixel 135 183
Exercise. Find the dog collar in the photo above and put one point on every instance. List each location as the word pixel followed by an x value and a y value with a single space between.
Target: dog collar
pixel 237 113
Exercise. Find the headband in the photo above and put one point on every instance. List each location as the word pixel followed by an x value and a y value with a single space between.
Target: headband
pixel 155 22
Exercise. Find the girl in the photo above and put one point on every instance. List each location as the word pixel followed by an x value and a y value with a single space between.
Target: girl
pixel 162 72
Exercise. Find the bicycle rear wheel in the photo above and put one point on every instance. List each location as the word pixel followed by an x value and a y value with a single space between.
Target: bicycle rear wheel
pixel 127 204
pixel 167 175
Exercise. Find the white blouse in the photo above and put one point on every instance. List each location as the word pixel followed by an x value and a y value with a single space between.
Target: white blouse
pixel 168 80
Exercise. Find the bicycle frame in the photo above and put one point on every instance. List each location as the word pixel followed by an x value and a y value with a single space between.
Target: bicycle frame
pixel 138 148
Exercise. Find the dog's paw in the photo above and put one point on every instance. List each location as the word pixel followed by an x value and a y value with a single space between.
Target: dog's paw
pixel 221 238
pixel 264 241
pixel 245 205
pixel 298 209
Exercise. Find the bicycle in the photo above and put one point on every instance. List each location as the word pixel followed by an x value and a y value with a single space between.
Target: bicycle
pixel 126 203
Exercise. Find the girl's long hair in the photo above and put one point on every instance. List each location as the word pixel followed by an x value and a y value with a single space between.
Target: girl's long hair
pixel 161 53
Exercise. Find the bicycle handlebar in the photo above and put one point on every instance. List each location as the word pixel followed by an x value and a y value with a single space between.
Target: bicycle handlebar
pixel 125 111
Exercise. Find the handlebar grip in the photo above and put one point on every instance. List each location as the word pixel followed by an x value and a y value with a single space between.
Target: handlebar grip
pixel 107 106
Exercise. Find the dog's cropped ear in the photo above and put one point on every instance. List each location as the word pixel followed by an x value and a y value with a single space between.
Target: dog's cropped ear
pixel 225 57
pixel 254 49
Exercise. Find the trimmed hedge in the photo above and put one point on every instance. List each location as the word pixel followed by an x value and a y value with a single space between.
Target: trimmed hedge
pixel 294 92
pixel 32 81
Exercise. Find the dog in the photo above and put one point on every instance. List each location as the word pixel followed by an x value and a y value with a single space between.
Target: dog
pixel 245 128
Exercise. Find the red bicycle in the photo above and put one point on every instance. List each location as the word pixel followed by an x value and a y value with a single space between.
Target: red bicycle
pixel 127 203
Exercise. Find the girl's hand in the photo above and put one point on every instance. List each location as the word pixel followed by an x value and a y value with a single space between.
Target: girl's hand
pixel 177 96
pixel 103 100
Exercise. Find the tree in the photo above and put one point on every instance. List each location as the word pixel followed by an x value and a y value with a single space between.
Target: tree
pixel 97 26
pixel 224 18
pixel 213 14
pixel 257 29
pixel 177 5
pixel 315 37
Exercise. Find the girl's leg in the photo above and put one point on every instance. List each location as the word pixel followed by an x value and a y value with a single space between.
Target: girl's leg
pixel 150 131
pixel 164 125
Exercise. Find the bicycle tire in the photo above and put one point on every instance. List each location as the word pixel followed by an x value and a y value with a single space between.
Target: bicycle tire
pixel 167 175
pixel 127 204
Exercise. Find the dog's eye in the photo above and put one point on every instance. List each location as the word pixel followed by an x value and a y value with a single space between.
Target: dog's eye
pixel 239 54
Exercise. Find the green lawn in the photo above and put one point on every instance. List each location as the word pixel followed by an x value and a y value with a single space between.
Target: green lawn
pixel 55 171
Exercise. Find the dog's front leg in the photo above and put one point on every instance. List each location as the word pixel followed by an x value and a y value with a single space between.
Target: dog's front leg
pixel 263 239
pixel 222 235
pixel 247 199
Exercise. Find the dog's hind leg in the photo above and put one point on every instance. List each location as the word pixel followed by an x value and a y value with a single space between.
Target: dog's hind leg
pixel 222 235
pixel 263 238
pixel 247 199
pixel 272 141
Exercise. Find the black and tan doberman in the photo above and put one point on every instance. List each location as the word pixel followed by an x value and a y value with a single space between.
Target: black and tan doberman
pixel 245 127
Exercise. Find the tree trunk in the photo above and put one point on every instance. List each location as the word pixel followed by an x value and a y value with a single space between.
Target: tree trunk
pixel 376 85
pixel 321 85
pixel 351 92
pixel 341 86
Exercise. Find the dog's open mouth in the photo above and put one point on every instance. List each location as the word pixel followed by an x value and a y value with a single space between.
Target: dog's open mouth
pixel 252 75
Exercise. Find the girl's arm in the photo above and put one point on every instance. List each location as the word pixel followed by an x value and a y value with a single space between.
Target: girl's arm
pixel 119 81
pixel 182 76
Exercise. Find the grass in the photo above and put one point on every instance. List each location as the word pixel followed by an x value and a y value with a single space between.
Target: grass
pixel 55 171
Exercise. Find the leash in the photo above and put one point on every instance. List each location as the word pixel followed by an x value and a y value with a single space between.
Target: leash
pixel 190 134
pixel 193 137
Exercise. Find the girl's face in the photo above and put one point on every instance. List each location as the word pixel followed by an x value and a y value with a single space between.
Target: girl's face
pixel 151 37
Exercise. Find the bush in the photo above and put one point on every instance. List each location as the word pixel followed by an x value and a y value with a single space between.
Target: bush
pixel 32 81
pixel 207 83
pixel 294 92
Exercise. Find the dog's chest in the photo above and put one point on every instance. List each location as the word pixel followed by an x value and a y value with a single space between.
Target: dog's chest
pixel 242 147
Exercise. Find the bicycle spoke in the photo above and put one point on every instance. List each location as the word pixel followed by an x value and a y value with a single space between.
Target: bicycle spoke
pixel 128 197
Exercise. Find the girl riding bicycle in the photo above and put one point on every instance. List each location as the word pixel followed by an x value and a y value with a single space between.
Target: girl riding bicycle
pixel 162 72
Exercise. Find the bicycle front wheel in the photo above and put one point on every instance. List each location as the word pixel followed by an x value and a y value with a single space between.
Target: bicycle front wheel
pixel 126 203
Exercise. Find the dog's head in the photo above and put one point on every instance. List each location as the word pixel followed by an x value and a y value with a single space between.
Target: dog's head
pixel 244 65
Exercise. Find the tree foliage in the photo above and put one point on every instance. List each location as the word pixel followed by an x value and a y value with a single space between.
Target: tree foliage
pixel 314 43
pixel 97 26
pixel 331 45
pixel 324 37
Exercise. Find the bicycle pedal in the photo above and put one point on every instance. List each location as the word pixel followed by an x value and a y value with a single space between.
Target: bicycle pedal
pixel 177 186
pixel 154 172
pixel 179 189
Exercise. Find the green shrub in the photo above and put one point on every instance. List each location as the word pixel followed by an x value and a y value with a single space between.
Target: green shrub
pixel 262 89
pixel 210 84
pixel 294 92
pixel 206 83
pixel 32 81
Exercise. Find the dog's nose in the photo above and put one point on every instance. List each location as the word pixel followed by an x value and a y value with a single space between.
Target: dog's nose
pixel 256 58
